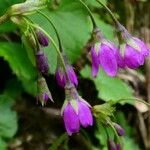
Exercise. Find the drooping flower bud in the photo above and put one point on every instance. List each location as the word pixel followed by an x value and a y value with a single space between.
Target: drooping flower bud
pixel 119 129
pixel 75 111
pixel 42 62
pixel 43 92
pixel 103 54
pixel 61 76
pixel 111 145
pixel 42 38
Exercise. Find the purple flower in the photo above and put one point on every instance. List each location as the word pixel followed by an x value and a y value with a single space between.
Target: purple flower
pixel 75 111
pixel 42 62
pixel 61 76
pixel 119 129
pixel 73 119
pixel 135 53
pixel 42 38
pixel 43 92
pixel 104 54
pixel 111 145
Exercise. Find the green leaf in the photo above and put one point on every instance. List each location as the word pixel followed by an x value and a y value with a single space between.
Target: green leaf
pixel 94 3
pixel 72 23
pixel 3 144
pixel 108 88
pixel 8 118
pixel 17 57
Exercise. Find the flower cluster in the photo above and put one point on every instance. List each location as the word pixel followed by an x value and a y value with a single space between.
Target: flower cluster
pixel 75 111
pixel 104 53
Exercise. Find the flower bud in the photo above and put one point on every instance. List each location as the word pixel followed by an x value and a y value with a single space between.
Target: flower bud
pixel 43 92
pixel 42 62
pixel 42 38
pixel 119 129
pixel 111 145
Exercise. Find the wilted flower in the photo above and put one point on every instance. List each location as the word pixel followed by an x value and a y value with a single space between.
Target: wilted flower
pixel 42 38
pixel 61 76
pixel 103 54
pixel 119 129
pixel 134 51
pixel 43 92
pixel 75 111
pixel 42 62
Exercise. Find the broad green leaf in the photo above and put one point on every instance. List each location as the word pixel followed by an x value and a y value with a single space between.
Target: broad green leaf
pixel 71 21
pixel 8 118
pixel 108 88
pixel 3 144
pixel 16 55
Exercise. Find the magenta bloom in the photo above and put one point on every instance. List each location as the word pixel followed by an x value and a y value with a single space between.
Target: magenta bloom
pixel 118 147
pixel 104 55
pixel 42 62
pixel 135 53
pixel 61 76
pixel 42 38
pixel 74 118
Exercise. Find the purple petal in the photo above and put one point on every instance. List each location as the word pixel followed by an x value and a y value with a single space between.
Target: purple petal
pixel 60 77
pixel 108 60
pixel 132 57
pixel 71 120
pixel 72 75
pixel 42 38
pixel 144 49
pixel 45 97
pixel 85 115
pixel 95 62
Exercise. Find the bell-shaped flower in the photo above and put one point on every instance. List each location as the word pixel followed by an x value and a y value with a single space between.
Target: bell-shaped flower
pixel 103 54
pixel 111 145
pixel 75 111
pixel 43 92
pixel 134 51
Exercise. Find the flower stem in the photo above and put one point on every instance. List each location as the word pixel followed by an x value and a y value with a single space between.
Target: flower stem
pixel 4 18
pixel 58 37
pixel 110 12
pixel 90 13
pixel 136 99
pixel 55 45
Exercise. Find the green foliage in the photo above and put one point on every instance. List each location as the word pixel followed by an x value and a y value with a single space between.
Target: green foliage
pixel 8 120
pixel 16 56
pixel 71 21
pixel 108 88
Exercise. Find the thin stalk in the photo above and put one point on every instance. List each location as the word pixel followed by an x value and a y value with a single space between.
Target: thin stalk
pixel 109 11
pixel 55 45
pixel 4 18
pixel 58 37
pixel 90 13
pixel 136 99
